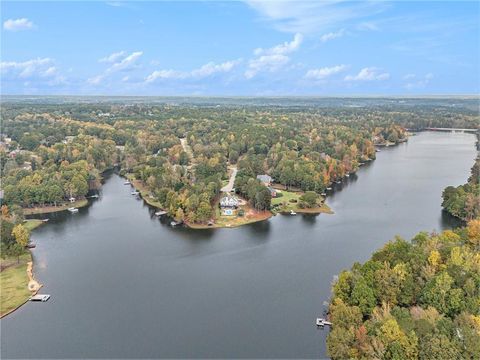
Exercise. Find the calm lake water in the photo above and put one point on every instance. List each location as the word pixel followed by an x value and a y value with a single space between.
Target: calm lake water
pixel 124 284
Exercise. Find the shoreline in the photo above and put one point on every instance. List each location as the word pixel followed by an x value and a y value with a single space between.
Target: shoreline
pixel 52 209
pixel 33 285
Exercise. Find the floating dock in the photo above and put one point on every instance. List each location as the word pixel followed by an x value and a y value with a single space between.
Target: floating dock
pixel 40 297
pixel 322 322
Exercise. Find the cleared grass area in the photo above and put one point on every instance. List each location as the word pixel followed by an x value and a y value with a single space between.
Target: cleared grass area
pixel 31 224
pixel 13 283
pixel 283 203
pixel 51 209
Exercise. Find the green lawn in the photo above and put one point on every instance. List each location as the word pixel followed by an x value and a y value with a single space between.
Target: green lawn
pixel 14 283
pixel 31 224
pixel 285 198
pixel 285 205
pixel 50 209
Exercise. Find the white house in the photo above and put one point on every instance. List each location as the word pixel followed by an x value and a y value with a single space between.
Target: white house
pixel 229 202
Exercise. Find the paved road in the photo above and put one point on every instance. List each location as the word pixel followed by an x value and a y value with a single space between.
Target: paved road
pixel 231 181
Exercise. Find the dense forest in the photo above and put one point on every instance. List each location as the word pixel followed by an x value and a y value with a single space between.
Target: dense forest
pixel 179 153
pixel 464 201
pixel 411 300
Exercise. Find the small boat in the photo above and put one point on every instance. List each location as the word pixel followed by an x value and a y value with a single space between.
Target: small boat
pixel 348 175
pixel 329 188
pixel 322 322
pixel 377 150
pixel 338 181
pixel 94 196
pixel 73 210
pixel 323 194
pixel 292 212
pixel 176 223
pixel 160 213
pixel 127 183
pixel 45 220
pixel 135 192
pixel 40 297
pixel 30 245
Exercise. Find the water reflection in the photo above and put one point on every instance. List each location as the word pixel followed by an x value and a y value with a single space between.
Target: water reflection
pixel 125 284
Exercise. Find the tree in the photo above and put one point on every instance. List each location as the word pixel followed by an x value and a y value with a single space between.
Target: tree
pixel 21 235
pixel 179 215
pixel 204 211
pixel 6 235
pixel 16 250
pixel 310 199
pixel 473 231
pixel 363 296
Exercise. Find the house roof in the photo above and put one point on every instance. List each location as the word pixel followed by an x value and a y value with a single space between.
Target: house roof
pixel 228 201
pixel 264 178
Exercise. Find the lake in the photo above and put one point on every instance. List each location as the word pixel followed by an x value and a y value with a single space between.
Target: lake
pixel 124 284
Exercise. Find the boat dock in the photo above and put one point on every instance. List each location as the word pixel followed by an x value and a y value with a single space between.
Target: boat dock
pixel 322 322
pixel 40 297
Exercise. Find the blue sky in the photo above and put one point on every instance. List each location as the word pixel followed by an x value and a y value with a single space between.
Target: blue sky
pixel 240 48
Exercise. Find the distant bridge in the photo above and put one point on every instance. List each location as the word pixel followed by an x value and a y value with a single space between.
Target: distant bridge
pixel 452 130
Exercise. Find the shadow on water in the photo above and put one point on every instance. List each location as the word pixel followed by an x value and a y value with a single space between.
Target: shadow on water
pixel 260 230
pixel 448 221
pixel 309 219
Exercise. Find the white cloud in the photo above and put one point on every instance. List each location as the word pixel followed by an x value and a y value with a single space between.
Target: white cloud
pixel 202 72
pixel 420 83
pixel 269 63
pixel 282 49
pixel 127 63
pixel 120 62
pixel 32 73
pixel 165 74
pixel 332 35
pixel 313 16
pixel 35 68
pixel 368 74
pixel 212 68
pixel 18 24
pixel 113 57
pixel 274 58
pixel 322 73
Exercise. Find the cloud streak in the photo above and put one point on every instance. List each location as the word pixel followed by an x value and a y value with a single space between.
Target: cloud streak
pixel 274 58
pixel 120 62
pixel 369 74
pixel 18 24
pixel 332 35
pixel 313 16
pixel 325 72
pixel 204 71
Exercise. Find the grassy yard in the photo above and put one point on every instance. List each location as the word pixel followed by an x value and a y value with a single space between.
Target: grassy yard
pixel 13 283
pixel 50 209
pixel 283 203
pixel 31 224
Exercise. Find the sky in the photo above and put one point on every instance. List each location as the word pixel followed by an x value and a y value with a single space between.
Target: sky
pixel 244 48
